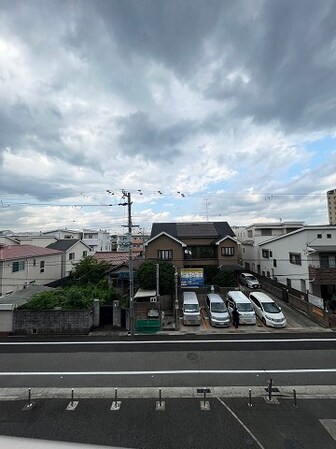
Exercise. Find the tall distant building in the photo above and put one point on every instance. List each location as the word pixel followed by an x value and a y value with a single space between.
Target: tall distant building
pixel 331 198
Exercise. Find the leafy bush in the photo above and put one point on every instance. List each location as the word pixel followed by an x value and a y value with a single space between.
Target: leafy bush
pixel 226 278
pixel 72 298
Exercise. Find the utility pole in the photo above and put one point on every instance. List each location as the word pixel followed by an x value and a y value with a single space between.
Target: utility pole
pixel 128 203
pixel 130 263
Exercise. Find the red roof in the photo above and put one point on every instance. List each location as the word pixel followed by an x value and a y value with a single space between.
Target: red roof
pixel 11 252
pixel 112 257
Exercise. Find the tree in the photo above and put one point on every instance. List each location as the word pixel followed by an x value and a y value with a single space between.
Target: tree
pixel 146 277
pixel 90 271
pixel 226 278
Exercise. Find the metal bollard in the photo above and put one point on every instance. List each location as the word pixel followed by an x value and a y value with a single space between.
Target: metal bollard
pixel 250 398
pixel 72 397
pixel 294 396
pixel 29 397
pixel 270 389
pixel 160 396
pixel 116 395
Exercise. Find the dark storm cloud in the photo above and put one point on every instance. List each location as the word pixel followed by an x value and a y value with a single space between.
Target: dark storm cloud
pixel 142 136
pixel 288 54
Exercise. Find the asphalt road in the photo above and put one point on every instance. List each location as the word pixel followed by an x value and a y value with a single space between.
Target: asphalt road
pixel 182 363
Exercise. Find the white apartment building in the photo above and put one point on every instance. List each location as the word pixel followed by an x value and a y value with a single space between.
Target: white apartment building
pixel 304 259
pixel 257 233
pixel 331 199
pixel 73 252
pixel 97 240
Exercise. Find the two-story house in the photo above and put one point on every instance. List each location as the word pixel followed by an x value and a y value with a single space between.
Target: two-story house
pixel 74 251
pixel 304 259
pixel 23 265
pixel 193 245
pixel 257 233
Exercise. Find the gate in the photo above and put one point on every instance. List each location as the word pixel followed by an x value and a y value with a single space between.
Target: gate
pixel 106 315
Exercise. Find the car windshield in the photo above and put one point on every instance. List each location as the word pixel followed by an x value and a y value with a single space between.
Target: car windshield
pixel 245 307
pixel 271 307
pixel 251 278
pixel 218 307
pixel 191 308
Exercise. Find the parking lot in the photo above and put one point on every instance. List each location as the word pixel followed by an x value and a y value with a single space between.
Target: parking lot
pixel 182 423
pixel 296 322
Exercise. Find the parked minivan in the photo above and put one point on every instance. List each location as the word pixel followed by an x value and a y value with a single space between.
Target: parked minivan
pixel 236 298
pixel 217 310
pixel 191 309
pixel 267 310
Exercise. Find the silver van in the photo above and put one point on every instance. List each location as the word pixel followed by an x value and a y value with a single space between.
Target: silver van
pixel 217 310
pixel 191 309
pixel 236 298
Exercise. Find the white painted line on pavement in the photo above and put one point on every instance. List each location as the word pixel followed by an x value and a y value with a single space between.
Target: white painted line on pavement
pixel 167 372
pixel 242 424
pixel 154 342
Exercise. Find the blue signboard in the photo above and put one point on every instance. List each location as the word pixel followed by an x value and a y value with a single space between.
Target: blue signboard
pixel 192 277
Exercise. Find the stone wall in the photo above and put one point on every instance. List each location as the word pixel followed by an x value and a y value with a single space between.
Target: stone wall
pixel 52 321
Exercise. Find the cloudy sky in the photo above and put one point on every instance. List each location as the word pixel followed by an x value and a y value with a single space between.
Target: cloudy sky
pixel 202 109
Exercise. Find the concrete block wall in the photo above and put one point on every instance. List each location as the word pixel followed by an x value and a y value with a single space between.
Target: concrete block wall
pixel 52 321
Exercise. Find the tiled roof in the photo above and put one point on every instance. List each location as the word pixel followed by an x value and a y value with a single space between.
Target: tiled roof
pixel 118 259
pixel 112 257
pixel 12 252
pixel 63 244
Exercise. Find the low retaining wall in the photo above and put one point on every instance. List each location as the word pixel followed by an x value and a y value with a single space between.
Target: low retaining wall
pixel 52 321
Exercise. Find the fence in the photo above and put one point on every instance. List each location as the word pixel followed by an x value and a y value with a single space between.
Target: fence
pixel 52 321
pixel 298 300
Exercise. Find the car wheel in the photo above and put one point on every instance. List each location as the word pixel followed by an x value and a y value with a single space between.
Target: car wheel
pixel 263 321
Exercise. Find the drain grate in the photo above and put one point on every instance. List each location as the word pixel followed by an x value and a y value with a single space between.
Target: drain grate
pixel 201 390
pixel 274 390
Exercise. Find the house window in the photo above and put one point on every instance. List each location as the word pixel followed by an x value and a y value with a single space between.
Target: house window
pixel 84 253
pixel 165 254
pixel 71 256
pixel 18 266
pixel 268 274
pixel 274 262
pixel 289 282
pixel 249 233
pixel 266 232
pixel 328 236
pixel 228 251
pixel 271 254
pixel 295 258
pixel 319 236
pixel 34 262
pixel 42 266
pixel 265 253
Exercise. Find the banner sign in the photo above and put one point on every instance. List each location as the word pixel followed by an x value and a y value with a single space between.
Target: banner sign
pixel 315 300
pixel 192 277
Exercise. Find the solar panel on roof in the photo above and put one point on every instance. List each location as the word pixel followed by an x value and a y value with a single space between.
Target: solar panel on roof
pixel 196 230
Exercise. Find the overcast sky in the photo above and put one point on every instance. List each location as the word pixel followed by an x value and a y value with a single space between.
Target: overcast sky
pixel 230 103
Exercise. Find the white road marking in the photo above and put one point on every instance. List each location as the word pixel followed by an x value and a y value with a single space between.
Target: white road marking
pixel 155 342
pixel 168 372
pixel 242 424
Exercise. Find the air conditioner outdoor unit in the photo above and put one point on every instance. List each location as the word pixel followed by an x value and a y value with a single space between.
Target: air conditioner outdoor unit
pixel 153 299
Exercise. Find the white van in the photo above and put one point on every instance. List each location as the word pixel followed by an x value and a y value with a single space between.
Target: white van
pixel 217 310
pixel 236 298
pixel 267 310
pixel 191 309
